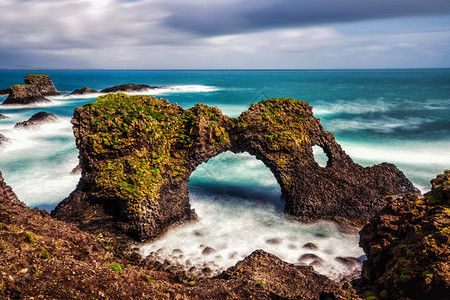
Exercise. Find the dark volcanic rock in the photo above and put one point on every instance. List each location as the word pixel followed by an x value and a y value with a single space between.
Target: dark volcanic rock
pixel 43 83
pixel 5 91
pixel 36 120
pixel 137 154
pixel 3 140
pixel 408 248
pixel 83 91
pixel 128 87
pixel 24 94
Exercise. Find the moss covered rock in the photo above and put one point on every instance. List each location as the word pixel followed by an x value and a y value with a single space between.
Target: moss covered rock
pixel 24 94
pixel 407 247
pixel 43 83
pixel 137 153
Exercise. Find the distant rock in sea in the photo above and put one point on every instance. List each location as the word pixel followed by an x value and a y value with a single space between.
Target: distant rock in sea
pixel 24 94
pixel 5 91
pixel 128 87
pixel 43 83
pixel 3 140
pixel 3 116
pixel 83 91
pixel 36 120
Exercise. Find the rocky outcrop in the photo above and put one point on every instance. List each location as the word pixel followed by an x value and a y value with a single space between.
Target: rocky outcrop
pixel 43 83
pixel 42 258
pixel 3 116
pixel 83 91
pixel 24 94
pixel 128 87
pixel 137 153
pixel 408 245
pixel 36 120
pixel 4 92
pixel 3 140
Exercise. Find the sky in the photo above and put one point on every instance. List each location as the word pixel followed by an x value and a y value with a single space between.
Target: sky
pixel 225 34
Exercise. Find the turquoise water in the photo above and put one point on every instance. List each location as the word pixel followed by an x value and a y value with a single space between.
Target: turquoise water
pixel 397 116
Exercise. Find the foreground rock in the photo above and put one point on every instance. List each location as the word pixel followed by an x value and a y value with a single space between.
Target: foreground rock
pixel 24 94
pixel 43 83
pixel 128 87
pixel 137 153
pixel 36 120
pixel 43 258
pixel 83 91
pixel 408 246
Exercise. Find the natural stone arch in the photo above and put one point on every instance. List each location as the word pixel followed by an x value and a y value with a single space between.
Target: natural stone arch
pixel 137 154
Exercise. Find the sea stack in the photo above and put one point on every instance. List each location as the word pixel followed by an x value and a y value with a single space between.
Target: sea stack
pixel 36 120
pixel 43 83
pixel 24 94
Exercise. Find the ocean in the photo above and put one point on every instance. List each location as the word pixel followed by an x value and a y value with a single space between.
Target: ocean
pixel 396 116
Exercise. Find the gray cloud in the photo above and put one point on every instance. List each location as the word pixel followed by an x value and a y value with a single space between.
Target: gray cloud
pixel 252 15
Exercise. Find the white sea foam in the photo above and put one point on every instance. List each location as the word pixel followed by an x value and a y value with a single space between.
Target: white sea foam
pixel 358 106
pixel 384 124
pixel 37 162
pixel 232 225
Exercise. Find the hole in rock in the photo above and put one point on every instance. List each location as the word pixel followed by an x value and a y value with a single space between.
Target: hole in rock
pixel 238 201
pixel 320 156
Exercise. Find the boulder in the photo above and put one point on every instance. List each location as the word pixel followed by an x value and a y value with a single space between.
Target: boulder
pixel 36 120
pixel 128 87
pixel 43 83
pixel 407 246
pixel 138 152
pixel 3 116
pixel 83 91
pixel 24 94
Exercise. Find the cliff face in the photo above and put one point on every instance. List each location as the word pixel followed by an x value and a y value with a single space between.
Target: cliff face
pixel 137 154
pixel 408 246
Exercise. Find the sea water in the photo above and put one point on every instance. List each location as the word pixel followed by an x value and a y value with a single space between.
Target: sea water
pixel 396 116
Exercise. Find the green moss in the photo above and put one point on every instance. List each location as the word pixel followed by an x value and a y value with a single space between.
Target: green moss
pixel 43 252
pixel 116 268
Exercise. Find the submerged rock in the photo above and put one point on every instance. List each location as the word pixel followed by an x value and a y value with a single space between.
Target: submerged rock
pixel 128 87
pixel 24 94
pixel 83 91
pixel 137 154
pixel 3 116
pixel 408 247
pixel 310 246
pixel 3 140
pixel 36 120
pixel 43 83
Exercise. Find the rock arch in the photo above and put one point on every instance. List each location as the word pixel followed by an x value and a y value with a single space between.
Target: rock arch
pixel 138 152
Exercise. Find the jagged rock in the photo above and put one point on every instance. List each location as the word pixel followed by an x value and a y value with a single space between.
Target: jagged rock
pixel 7 195
pixel 24 94
pixel 83 91
pixel 36 120
pixel 3 116
pixel 440 188
pixel 5 91
pixel 43 83
pixel 76 170
pixel 408 248
pixel 128 87
pixel 3 140
pixel 137 154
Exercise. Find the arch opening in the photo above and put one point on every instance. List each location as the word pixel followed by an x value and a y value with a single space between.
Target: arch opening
pixel 238 201
pixel 321 157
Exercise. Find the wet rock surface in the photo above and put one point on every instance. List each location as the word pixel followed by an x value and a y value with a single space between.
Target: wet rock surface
pixel 137 154
pixel 408 246
pixel 5 91
pixel 36 120
pixel 24 94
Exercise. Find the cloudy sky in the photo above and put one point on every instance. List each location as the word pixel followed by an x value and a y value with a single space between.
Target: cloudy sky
pixel 217 34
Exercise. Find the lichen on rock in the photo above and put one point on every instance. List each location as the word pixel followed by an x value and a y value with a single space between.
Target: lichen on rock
pixel 137 153
pixel 43 83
